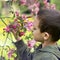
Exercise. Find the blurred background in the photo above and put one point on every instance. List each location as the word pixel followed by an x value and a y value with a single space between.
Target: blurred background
pixel 7 7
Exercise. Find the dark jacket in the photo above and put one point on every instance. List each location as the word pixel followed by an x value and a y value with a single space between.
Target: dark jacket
pixel 46 53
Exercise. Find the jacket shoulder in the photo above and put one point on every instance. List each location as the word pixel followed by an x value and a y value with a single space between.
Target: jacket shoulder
pixel 45 56
pixel 48 56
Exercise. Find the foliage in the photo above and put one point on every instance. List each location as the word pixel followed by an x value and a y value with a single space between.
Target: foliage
pixel 21 20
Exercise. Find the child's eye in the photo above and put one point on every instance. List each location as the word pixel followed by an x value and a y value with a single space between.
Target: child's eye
pixel 34 28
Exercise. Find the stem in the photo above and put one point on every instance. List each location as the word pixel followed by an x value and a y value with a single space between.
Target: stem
pixel 5 17
pixel 3 21
pixel 11 37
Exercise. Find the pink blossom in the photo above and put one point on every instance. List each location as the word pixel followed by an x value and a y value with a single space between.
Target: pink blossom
pixel 23 2
pixel 7 29
pixel 14 26
pixel 34 8
pixel 31 43
pixel 34 5
pixel 29 25
pixel 44 1
pixel 53 6
pixel 47 5
pixel 24 17
pixel 16 13
pixel 21 33
pixel 10 52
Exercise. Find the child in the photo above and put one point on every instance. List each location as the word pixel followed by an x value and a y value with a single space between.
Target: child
pixel 47 31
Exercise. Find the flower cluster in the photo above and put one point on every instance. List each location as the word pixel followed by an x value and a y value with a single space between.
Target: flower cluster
pixel 21 23
pixel 48 5
pixel 31 43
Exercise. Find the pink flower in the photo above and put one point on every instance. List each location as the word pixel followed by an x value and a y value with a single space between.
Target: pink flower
pixel 44 1
pixel 47 5
pixel 53 6
pixel 31 43
pixel 21 33
pixel 16 13
pixel 10 52
pixel 29 25
pixel 23 2
pixel 34 8
pixel 24 17
pixel 14 26
pixel 7 29
pixel 36 4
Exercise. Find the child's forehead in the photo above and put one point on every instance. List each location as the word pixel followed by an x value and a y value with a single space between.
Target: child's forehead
pixel 36 22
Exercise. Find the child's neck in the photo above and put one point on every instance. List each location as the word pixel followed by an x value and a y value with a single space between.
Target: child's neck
pixel 48 43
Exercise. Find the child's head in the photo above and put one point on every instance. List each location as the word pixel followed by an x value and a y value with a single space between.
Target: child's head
pixel 48 22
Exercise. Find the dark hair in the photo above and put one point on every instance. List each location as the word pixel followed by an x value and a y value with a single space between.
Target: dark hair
pixel 50 22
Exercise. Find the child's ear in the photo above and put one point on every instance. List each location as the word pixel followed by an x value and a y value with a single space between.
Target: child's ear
pixel 46 36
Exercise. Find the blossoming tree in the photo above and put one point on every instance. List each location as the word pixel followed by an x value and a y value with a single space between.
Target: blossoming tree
pixel 19 21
